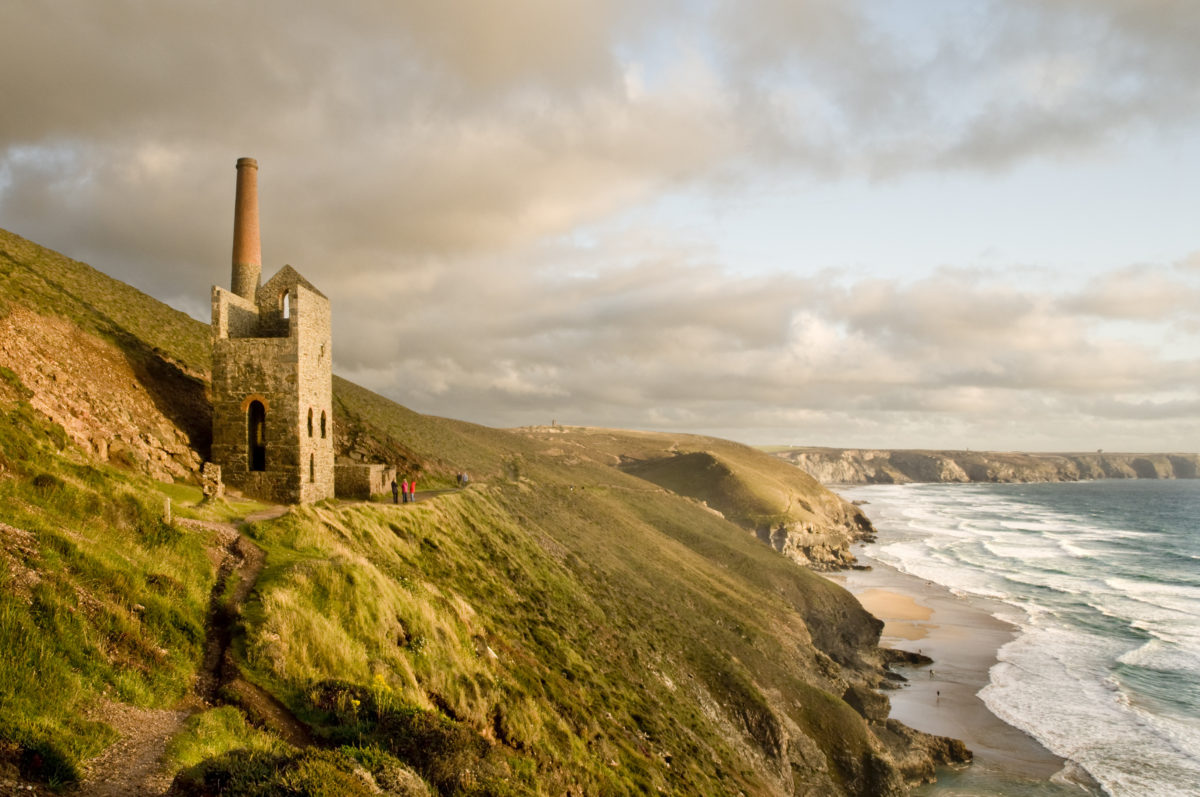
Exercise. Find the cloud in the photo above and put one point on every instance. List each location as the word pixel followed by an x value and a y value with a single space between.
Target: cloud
pixel 671 341
pixel 469 177
pixel 1142 292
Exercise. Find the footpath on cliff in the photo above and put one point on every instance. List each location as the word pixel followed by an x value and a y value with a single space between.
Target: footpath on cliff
pixel 133 764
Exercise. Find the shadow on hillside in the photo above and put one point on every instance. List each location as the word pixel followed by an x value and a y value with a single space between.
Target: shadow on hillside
pixel 184 399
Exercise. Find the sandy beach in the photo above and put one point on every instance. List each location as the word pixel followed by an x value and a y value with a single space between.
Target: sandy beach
pixel 962 638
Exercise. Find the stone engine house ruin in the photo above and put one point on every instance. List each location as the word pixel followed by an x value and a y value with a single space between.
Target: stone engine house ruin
pixel 272 377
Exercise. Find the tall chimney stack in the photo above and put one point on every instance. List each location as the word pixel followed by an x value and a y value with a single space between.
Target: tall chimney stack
pixel 247 246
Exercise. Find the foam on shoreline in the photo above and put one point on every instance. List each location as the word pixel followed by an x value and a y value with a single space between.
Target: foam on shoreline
pixel 962 637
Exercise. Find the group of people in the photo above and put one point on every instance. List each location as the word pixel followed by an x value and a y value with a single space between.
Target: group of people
pixel 404 492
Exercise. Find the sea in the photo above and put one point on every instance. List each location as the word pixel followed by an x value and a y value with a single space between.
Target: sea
pixel 1102 582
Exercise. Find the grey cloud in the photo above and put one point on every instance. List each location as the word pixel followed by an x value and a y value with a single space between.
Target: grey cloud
pixel 1134 410
pixel 985 87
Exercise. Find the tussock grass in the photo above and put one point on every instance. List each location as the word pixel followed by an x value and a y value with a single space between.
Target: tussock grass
pixel 608 637
pixel 216 732
pixel 253 773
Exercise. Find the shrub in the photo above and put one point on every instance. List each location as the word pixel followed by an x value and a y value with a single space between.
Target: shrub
pixel 246 773
pixel 47 483
pixel 450 755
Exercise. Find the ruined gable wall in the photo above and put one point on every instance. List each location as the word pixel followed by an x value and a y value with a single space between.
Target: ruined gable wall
pixel 232 316
pixel 311 329
pixel 362 481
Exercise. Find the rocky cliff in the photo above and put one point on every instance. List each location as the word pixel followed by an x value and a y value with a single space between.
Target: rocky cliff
pixel 881 466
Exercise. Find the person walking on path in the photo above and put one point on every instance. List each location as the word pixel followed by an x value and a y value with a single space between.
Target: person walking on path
pixel 395 493
pixel 412 490
pixel 404 487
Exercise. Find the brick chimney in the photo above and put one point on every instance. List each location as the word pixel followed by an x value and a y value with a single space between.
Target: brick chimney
pixel 247 246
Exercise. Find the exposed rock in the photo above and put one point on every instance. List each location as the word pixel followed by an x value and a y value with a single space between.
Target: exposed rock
pixel 135 410
pixel 210 482
pixel 868 466
pixel 870 704
pixel 917 754
pixel 890 656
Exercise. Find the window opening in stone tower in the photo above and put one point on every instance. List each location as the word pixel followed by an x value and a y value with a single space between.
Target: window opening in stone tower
pixel 286 299
pixel 312 468
pixel 310 421
pixel 256 428
pixel 322 424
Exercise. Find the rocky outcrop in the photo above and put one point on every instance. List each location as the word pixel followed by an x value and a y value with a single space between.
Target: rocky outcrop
pixel 821 546
pixel 126 405
pixel 875 466
pixel 795 516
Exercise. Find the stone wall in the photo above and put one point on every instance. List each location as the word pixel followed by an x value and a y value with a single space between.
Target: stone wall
pixel 362 481
pixel 310 327
pixel 233 316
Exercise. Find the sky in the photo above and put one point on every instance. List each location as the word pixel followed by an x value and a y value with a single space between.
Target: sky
pixel 857 223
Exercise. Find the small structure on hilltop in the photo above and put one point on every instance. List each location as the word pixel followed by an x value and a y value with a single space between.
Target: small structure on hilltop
pixel 272 379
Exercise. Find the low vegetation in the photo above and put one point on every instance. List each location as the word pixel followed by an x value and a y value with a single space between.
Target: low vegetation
pixel 99 598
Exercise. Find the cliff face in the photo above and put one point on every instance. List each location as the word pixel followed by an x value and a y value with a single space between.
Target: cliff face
pixel 868 466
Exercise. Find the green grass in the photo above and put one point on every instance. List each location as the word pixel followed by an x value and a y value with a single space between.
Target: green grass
pixel 187 500
pixel 49 283
pixel 216 732
pixel 98 597
pixel 747 485
pixel 570 628
pixel 252 773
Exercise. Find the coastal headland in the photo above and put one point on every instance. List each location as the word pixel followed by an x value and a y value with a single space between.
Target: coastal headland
pixel 897 466
pixel 598 612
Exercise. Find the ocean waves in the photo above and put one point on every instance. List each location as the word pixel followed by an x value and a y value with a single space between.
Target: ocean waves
pixel 1100 579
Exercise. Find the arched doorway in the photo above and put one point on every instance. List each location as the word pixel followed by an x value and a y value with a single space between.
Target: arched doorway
pixel 256 439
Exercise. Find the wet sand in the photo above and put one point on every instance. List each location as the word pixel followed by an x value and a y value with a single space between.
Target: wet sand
pixel 962 638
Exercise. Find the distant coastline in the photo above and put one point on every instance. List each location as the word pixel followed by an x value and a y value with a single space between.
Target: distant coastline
pixel 884 466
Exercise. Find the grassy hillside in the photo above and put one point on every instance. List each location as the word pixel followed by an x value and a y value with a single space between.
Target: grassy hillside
pixel 99 599
pixel 784 506
pixel 562 626
pixel 743 483
pixel 48 283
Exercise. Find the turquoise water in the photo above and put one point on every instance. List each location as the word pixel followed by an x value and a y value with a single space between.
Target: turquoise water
pixel 1103 581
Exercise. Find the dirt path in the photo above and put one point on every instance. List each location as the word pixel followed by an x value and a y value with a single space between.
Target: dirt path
pixel 132 765
pixel 221 680
pixel 419 496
